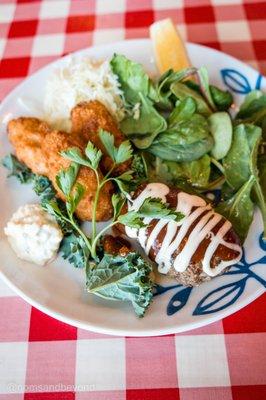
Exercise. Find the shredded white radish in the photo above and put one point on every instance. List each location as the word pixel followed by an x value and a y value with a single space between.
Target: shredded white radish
pixel 81 80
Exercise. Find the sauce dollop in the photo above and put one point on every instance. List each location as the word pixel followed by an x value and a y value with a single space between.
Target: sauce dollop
pixel 33 234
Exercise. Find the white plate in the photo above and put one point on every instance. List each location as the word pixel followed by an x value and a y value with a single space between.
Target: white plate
pixel 58 289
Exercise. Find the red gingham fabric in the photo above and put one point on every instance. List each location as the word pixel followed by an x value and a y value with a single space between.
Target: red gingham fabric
pixel 44 359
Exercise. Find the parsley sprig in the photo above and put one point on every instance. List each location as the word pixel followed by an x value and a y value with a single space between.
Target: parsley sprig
pixel 91 159
pixel 153 208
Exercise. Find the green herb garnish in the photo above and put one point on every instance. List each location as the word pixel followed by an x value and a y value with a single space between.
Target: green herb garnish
pixel 151 208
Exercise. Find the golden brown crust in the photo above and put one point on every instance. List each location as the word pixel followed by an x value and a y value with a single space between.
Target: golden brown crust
pixel 116 245
pixel 39 148
pixel 54 144
pixel 27 136
pixel 87 119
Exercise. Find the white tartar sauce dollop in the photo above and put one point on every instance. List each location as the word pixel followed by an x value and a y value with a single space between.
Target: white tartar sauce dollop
pixel 33 234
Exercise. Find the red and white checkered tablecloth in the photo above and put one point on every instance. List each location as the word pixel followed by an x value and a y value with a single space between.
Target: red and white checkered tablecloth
pixel 43 359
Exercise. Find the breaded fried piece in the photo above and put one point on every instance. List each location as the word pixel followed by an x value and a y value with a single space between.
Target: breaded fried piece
pixel 39 148
pixel 87 119
pixel 27 136
pixel 55 143
pixel 228 249
pixel 116 245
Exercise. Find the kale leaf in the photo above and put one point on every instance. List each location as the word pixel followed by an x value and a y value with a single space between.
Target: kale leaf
pixel 74 250
pixel 17 169
pixel 122 278
pixel 43 187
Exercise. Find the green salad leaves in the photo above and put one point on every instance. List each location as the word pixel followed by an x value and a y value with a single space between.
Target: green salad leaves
pixel 171 122
pixel 133 79
pixel 143 130
pixel 239 209
pixel 242 176
pixel 189 138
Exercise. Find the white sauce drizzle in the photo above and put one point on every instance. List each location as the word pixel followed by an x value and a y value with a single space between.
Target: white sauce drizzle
pixel 173 239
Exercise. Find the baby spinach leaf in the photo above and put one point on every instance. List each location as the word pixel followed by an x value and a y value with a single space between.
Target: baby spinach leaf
pixel 262 173
pixel 188 140
pixel 197 172
pixel 222 99
pixel 204 86
pixel 222 131
pixel 171 76
pixel 253 111
pixel 122 278
pixel 253 108
pixel 240 164
pixel 183 111
pixel 253 95
pixel 239 209
pixel 17 169
pixel 182 91
pixel 132 77
pixel 143 130
pixel 163 86
pixel 237 161
pixel 257 189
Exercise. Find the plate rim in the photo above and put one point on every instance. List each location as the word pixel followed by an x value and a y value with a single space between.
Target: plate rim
pixel 132 332
pixel 113 331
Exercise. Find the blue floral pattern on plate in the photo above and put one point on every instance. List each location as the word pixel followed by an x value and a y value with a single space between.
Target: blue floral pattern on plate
pixel 221 297
pixel 238 82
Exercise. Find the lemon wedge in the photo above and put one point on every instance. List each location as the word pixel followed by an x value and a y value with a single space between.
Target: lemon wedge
pixel 169 48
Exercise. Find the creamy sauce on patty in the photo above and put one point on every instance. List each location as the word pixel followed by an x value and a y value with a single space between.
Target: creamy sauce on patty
pixel 194 209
